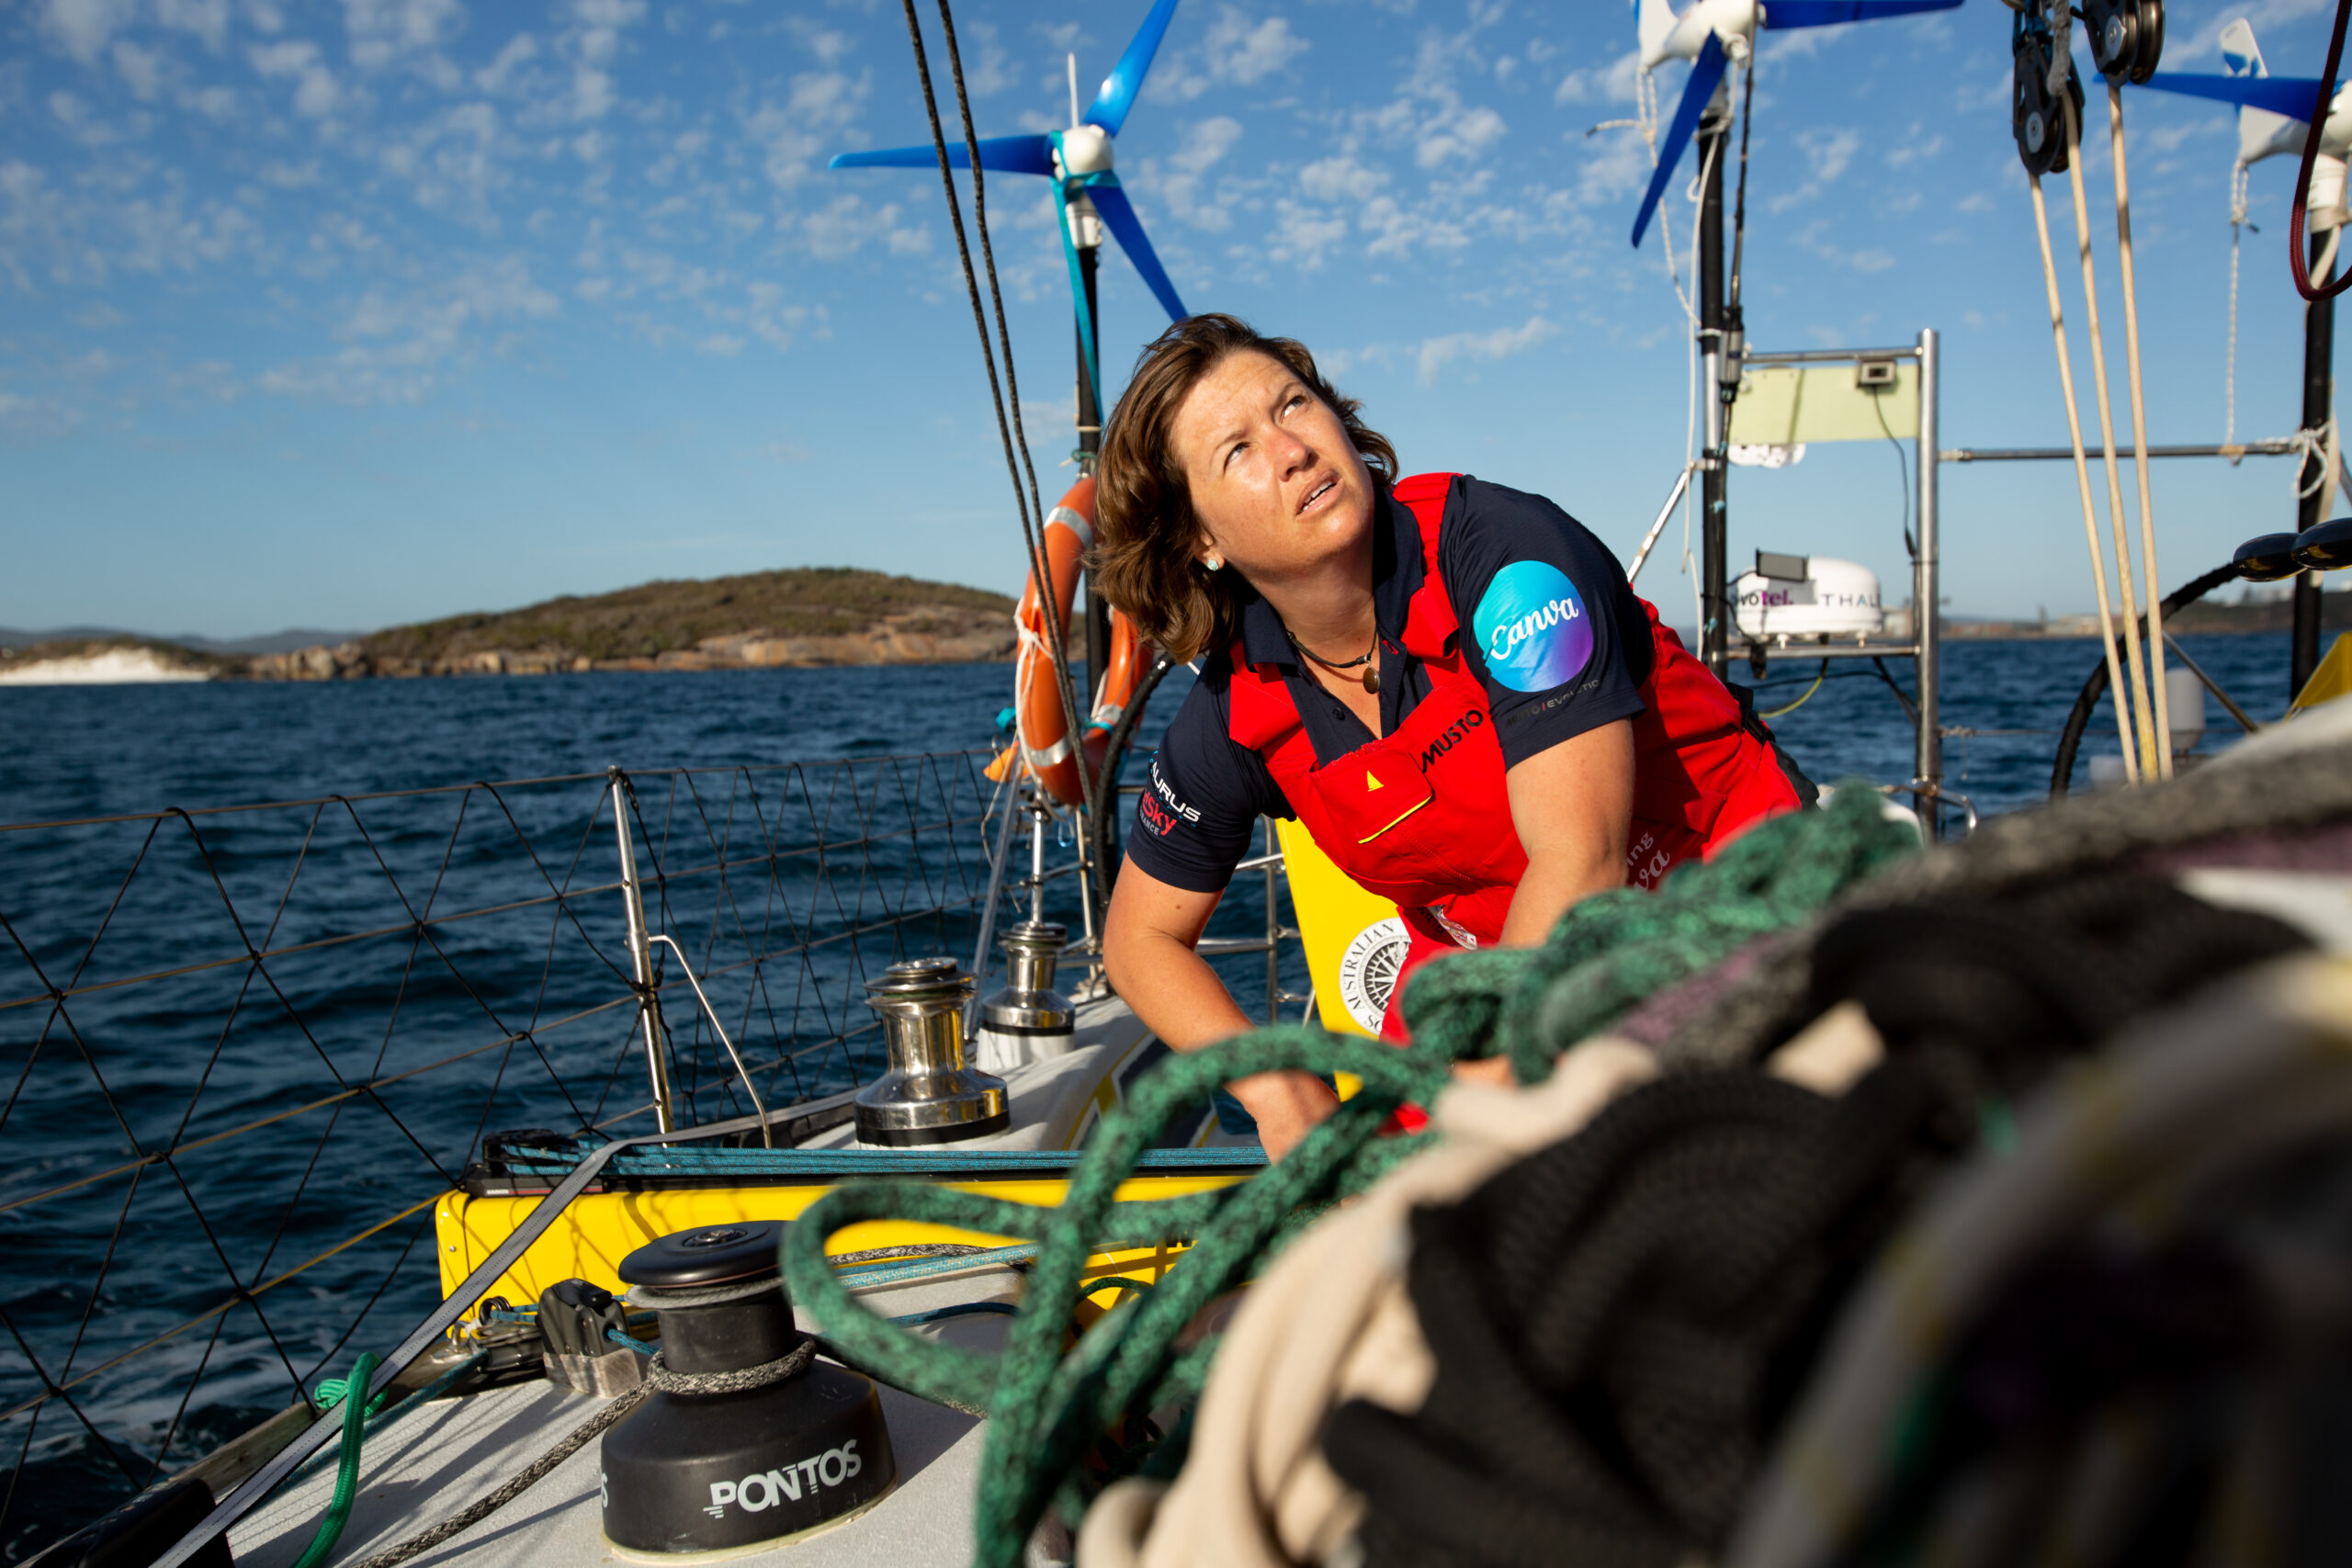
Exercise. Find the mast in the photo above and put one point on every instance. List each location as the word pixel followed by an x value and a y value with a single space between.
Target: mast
pixel 2319 386
pixel 1714 634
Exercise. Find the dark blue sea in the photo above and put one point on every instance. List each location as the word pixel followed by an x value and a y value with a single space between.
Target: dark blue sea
pixel 233 1040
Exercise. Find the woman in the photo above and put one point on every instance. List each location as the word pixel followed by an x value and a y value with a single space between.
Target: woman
pixel 1448 683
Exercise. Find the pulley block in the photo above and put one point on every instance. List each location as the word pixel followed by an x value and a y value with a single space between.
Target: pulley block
pixel 2036 118
pixel 2127 37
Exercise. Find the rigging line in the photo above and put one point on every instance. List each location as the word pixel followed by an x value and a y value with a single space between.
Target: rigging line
pixel 2239 176
pixel 2142 739
pixel 2133 660
pixel 1032 523
pixel 2296 214
pixel 2155 630
pixel 1077 716
pixel 2083 481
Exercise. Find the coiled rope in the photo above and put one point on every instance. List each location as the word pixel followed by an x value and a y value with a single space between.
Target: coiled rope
pixel 1616 949
pixel 1047 1411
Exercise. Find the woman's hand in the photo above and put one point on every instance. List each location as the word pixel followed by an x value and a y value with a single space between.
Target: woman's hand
pixel 1573 806
pixel 1147 951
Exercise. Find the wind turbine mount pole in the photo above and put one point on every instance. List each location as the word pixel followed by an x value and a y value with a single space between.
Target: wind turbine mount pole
pixel 1714 546
pixel 2319 399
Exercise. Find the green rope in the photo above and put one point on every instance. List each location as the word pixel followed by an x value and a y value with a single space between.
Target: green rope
pixel 1046 1410
pixel 1617 949
pixel 346 1479
pixel 1050 1408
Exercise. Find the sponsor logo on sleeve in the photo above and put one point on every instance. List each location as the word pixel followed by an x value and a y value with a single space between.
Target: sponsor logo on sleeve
pixel 1533 627
pixel 1161 814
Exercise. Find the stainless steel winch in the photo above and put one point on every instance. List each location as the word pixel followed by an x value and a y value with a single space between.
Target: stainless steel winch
pixel 928 1095
pixel 1028 1020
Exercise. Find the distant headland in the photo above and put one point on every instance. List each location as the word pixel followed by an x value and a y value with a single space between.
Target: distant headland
pixel 804 616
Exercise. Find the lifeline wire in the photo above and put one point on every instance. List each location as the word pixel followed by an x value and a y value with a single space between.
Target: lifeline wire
pixel 2140 432
pixel 2134 660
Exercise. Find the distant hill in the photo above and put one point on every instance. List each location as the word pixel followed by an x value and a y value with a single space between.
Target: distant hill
pixel 273 642
pixel 807 615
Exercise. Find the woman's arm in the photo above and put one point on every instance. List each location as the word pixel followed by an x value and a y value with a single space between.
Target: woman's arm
pixel 1573 806
pixel 1148 951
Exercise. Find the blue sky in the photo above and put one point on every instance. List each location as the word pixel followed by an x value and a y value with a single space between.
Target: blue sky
pixel 344 315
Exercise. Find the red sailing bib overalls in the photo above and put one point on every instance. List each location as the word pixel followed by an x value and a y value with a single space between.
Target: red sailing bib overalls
pixel 1421 816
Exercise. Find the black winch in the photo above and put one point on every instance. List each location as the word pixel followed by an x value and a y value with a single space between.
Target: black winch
pixel 747 1438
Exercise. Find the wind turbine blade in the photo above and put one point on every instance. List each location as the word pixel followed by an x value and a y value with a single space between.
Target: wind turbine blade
pixel 1706 73
pixel 1830 13
pixel 1009 154
pixel 2297 97
pixel 1120 219
pixel 1125 80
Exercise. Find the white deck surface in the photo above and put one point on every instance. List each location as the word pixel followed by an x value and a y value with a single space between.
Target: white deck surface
pixel 429 1465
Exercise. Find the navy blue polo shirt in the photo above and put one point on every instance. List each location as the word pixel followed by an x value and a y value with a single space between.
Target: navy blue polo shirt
pixel 1549 627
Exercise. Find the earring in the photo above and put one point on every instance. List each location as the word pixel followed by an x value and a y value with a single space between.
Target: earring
pixel 1215 563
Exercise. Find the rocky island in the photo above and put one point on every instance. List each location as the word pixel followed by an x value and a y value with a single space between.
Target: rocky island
pixel 804 616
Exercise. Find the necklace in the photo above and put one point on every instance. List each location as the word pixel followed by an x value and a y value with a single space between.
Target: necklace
pixel 1363 660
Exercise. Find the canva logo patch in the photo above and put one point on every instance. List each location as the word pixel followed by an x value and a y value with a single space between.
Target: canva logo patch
pixel 1533 627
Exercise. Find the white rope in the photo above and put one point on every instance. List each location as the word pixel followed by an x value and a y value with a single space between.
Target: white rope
pixel 2239 176
pixel 2083 486
pixel 2155 630
pixel 2134 661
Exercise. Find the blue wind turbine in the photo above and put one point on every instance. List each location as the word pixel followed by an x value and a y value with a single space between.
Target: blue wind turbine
pixel 1710 35
pixel 1088 198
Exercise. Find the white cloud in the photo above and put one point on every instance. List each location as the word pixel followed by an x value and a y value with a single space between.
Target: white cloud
pixel 1182 185
pixel 396 345
pixel 724 344
pixel 1828 154
pixel 1302 233
pixel 1458 136
pixel 1436 353
pixel 316 93
pixel 1613 82
pixel 383 31
pixel 1240 51
pixel 141 70
pixel 82 28
pixel 1340 177
pixel 208 19
pixel 807 126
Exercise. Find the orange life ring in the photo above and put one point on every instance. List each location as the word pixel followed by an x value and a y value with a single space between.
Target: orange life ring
pixel 1043 736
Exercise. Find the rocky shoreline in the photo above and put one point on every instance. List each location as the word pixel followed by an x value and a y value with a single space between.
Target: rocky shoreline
pixel 759 649
pixel 803 617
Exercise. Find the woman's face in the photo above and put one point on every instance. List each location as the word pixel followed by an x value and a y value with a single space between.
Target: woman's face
pixel 1278 488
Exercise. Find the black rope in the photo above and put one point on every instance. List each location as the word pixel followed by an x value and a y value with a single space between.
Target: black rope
pixel 1106 816
pixel 1622 1322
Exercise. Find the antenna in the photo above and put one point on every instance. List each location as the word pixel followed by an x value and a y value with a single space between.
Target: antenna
pixel 1073 92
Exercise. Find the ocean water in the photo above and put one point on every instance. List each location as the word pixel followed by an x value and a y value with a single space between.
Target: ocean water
pixel 186 1155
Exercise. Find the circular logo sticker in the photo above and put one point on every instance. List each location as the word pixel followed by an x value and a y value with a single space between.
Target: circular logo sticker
pixel 1533 627
pixel 1368 971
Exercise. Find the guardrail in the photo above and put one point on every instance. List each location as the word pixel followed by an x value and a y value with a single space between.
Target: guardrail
pixel 246 1046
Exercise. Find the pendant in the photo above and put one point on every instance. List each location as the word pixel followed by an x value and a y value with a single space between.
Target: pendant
pixel 1372 679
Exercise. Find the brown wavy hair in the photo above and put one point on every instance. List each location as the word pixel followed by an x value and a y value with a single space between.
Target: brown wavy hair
pixel 1146 540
